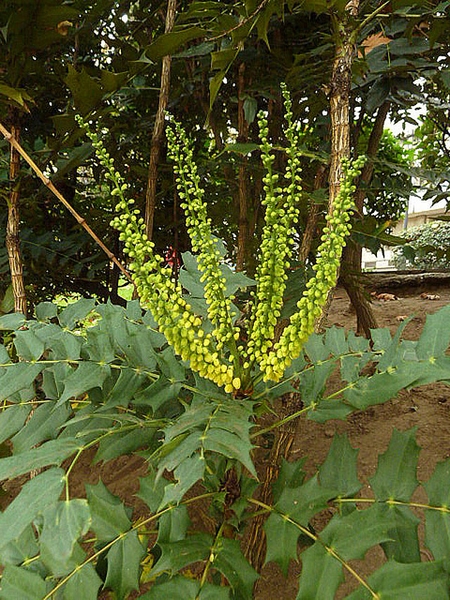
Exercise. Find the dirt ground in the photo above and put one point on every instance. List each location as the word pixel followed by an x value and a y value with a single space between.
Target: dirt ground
pixel 428 408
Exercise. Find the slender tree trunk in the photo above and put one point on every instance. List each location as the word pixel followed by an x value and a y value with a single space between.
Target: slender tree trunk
pixel 313 217
pixel 340 91
pixel 12 231
pixel 351 271
pixel 158 129
pixel 243 230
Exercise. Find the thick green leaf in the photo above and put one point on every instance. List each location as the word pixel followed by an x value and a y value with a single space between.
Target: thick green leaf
pixel 321 574
pixel 20 549
pixel 177 555
pixel 398 581
pixel 230 561
pixel 50 453
pixel 435 337
pixel 282 540
pixel 18 582
pixel 28 345
pixel 42 425
pixel 437 530
pixel 12 419
pixel 168 43
pixel 120 443
pixel 186 474
pixel 64 523
pixel 340 469
pixel 396 474
pixel 404 543
pixel 12 321
pixel 291 474
pixel 84 584
pixel 124 559
pixel 17 377
pixel 86 92
pixel 157 394
pixel 35 496
pixel 124 388
pixel 76 312
pixel 86 376
pixel 181 588
pixel 45 311
pixel 109 517
pixel 295 505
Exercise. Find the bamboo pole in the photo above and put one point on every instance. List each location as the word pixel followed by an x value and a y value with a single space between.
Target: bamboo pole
pixel 48 183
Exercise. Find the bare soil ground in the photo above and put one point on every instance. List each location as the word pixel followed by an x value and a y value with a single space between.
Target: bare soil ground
pixel 427 408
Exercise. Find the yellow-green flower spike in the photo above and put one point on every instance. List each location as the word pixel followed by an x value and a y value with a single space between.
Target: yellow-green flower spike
pixel 281 203
pixel 301 325
pixel 157 290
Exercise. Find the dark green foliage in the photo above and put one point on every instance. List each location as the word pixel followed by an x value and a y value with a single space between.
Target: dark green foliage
pixel 131 395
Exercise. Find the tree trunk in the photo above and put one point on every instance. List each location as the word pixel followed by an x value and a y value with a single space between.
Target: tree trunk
pixel 313 217
pixel 243 230
pixel 12 231
pixel 255 538
pixel 339 95
pixel 158 129
pixel 351 267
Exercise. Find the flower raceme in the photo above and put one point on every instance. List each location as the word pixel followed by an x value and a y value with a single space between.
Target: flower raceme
pixel 213 351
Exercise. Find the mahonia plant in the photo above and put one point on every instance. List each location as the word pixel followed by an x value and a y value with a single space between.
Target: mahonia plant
pixel 216 354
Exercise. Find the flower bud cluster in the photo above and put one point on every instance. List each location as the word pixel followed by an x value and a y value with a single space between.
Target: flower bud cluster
pixel 281 214
pixel 157 290
pixel 326 270
pixel 203 242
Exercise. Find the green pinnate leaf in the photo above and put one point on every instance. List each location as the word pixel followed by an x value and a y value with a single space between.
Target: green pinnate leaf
pixel 186 474
pixel 86 376
pixel 50 453
pixel 177 555
pixel 12 419
pixel 45 311
pixel 18 582
pixel 340 469
pixel 321 574
pixel 109 517
pixel 435 337
pixel 74 313
pixel 398 581
pixel 396 474
pixel 35 496
pixel 282 540
pixel 124 559
pixel 295 507
pixel 84 583
pixel 437 528
pixel 21 549
pixel 28 345
pixel 230 561
pixel 291 474
pixel 18 377
pixel 42 425
pixel 181 588
pixel 403 545
pixel 64 523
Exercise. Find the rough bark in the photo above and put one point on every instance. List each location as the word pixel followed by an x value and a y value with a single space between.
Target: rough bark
pixel 255 539
pixel 13 230
pixel 243 227
pixel 339 98
pixel 158 129
pixel 351 266
pixel 313 217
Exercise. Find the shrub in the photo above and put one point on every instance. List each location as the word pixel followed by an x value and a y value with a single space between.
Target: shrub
pixel 428 247
pixel 145 382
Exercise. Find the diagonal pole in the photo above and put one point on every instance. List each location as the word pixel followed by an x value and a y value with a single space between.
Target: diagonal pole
pixel 48 183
